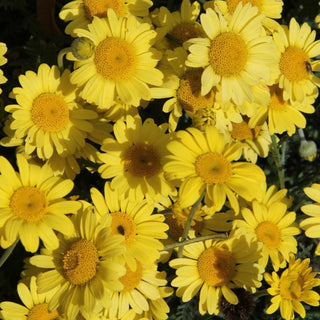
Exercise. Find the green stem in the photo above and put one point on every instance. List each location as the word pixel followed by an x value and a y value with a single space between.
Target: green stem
pixel 261 293
pixel 7 253
pixel 277 161
pixel 61 55
pixel 188 224
pixel 203 238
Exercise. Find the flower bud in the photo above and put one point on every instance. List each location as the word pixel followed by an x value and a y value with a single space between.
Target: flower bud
pixel 82 48
pixel 308 150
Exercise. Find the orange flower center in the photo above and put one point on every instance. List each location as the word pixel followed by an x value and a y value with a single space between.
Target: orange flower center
pixel 295 64
pixel 40 312
pixel 185 31
pixel 232 4
pixel 216 266
pixel 132 278
pixel 28 203
pixel 123 224
pixel 100 7
pixel 228 54
pixel 269 234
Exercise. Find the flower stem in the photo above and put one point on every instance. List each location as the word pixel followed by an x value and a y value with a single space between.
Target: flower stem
pixel 278 160
pixel 203 238
pixel 188 224
pixel 60 57
pixel 7 253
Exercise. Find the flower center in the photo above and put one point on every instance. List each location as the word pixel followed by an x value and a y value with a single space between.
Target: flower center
pixel 216 266
pixel 100 7
pixel 28 203
pixel 295 64
pixel 291 286
pixel 142 161
pixel 213 168
pixel 189 92
pixel 132 278
pixel 276 101
pixel 115 59
pixel 40 312
pixel 228 54
pixel 123 224
pixel 232 4
pixel 185 31
pixel 50 112
pixel 80 262
pixel 269 234
pixel 241 131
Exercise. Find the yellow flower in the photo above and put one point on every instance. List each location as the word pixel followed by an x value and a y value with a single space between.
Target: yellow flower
pixel 83 268
pixel 47 116
pixel 32 205
pixel 236 54
pixel 202 161
pixel 256 140
pixel 271 8
pixel 293 287
pixel 174 28
pixel 214 268
pixel 35 304
pixel 312 222
pixel 297 47
pixel 81 12
pixel 123 64
pixel 134 220
pixel 134 159
pixel 139 288
pixel 274 228
pixel 3 60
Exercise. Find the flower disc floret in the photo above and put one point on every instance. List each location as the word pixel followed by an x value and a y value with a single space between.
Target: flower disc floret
pixel 124 225
pixel 99 8
pixel 228 54
pixel 40 312
pixel 80 262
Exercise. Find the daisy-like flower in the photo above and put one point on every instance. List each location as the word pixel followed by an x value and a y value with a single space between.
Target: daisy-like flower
pixel 274 228
pixel 215 268
pixel 182 86
pixel 134 220
pixel 139 287
pixel 256 140
pixel 235 53
pixel 281 114
pixel 271 8
pixel 123 63
pixel 35 304
pixel 174 28
pixel 83 268
pixel 3 60
pixel 134 159
pixel 47 116
pixel 311 223
pixel 202 161
pixel 293 287
pixel 81 12
pixel 297 48
pixel 32 205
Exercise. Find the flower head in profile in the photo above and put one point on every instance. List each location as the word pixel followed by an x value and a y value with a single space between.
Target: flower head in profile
pixel 235 53
pixel 311 223
pixel 293 287
pixel 79 13
pixel 123 63
pixel 3 60
pixel 32 205
pixel 298 48
pixel 274 228
pixel 83 268
pixel 35 304
pixel 47 117
pixel 215 268
pixel 133 160
pixel 202 161
pixel 134 220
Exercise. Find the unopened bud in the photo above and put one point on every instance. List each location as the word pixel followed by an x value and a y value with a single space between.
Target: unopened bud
pixel 308 150
pixel 82 48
